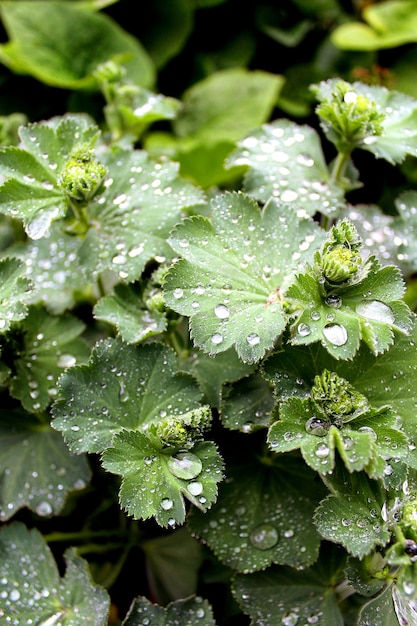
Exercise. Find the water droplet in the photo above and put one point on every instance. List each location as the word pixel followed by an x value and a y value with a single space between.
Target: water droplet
pixel 166 504
pixel 289 195
pixel 66 360
pixel 217 338
pixel 289 436
pixel 315 315
pixel 317 426
pixel 178 293
pixel 347 522
pixel 264 537
pixel 195 488
pixel 375 310
pixel 336 334
pixel 322 451
pixel 14 595
pixel 253 339
pixel 409 587
pixel 221 311
pixel 290 619
pixel 185 465
pixel 123 392
pixel 304 330
pixel 335 302
pixel 44 509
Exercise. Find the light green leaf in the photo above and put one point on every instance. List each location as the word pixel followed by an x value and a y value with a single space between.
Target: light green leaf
pixel 173 563
pixel 126 310
pixel 15 291
pixel 248 404
pixel 248 98
pixel 286 162
pixel 398 137
pixel 298 596
pixel 386 25
pixel 352 515
pixel 31 191
pixel 42 346
pixel 52 266
pixel 73 600
pixel 250 527
pixel 189 612
pixel 404 230
pixel 131 220
pixel 233 269
pixel 155 482
pixel 380 610
pixel 61 44
pixel 123 386
pixel 37 469
pixel 214 372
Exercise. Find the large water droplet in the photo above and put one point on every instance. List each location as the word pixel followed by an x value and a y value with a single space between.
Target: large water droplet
pixel 66 360
pixel 289 619
pixel 336 334
pixel 217 338
pixel 44 509
pixel 317 426
pixel 375 310
pixel 335 302
pixel 185 465
pixel 221 311
pixel 166 504
pixel 322 451
pixel 253 339
pixel 195 488
pixel 304 330
pixel 264 537
pixel 178 293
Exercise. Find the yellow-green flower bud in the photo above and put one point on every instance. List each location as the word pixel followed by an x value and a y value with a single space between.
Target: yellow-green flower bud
pixel 336 398
pixel 82 174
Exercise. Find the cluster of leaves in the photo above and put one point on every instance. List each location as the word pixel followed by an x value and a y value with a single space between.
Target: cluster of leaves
pixel 200 334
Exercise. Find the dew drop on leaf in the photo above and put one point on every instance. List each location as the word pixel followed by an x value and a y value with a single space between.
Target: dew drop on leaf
pixel 264 537
pixel 289 619
pixel 317 426
pixel 195 488
pixel 123 392
pixel 304 330
pixel 322 451
pixel 375 310
pixel 335 302
pixel 185 465
pixel 178 293
pixel 66 360
pixel 253 339
pixel 166 504
pixel 217 338
pixel 315 315
pixel 221 311
pixel 44 509
pixel 336 334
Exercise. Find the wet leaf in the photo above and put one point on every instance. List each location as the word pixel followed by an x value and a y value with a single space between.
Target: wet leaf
pixel 249 527
pixel 31 584
pixel 190 612
pixel 131 220
pixel 124 386
pixel 155 482
pixel 298 596
pixel 352 515
pixel 233 268
pixel 15 291
pixel 286 162
pixel 380 610
pixel 31 191
pixel 37 469
pixel 398 137
pixel 126 310
pixel 42 346
pixel 248 405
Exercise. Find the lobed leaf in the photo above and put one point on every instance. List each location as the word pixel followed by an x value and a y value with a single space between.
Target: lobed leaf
pixel 123 387
pixel 15 291
pixel 37 469
pixel 286 162
pixel 233 268
pixel 192 611
pixel 31 584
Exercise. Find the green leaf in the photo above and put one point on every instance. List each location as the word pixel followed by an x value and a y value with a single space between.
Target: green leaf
pixel 380 610
pixel 132 218
pixel 37 469
pixel 249 528
pixel 298 596
pixel 286 162
pixel 398 137
pixel 230 278
pixel 248 98
pixel 126 310
pixel 61 44
pixel 73 600
pixel 386 25
pixel 173 563
pixel 213 372
pixel 52 267
pixel 123 386
pixel 352 515
pixel 155 482
pixel 189 612
pixel 15 291
pixel 42 346
pixel 404 230
pixel 31 191
pixel 248 405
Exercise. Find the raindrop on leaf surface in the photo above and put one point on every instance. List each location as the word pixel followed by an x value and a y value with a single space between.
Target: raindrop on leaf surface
pixel 264 537
pixel 185 465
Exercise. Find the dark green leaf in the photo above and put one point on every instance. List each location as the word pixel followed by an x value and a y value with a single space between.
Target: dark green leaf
pixel 31 584
pixel 190 612
pixel 248 405
pixel 38 470
pixel 380 611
